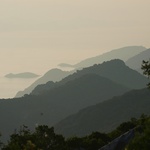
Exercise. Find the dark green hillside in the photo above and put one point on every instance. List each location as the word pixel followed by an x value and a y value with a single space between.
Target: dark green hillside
pixel 51 75
pixel 115 70
pixel 86 90
pixel 86 87
pixel 133 134
pixel 107 115
pixel 42 88
pixel 56 104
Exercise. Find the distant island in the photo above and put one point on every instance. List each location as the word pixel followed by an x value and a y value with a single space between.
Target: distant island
pixel 22 75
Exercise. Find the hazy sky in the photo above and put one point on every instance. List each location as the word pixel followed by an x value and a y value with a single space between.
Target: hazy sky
pixel 36 35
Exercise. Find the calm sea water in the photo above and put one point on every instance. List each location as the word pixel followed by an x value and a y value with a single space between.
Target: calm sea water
pixel 9 87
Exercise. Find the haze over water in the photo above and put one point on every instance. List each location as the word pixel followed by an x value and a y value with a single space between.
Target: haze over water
pixel 9 87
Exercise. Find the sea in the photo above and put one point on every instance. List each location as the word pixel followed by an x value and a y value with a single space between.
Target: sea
pixel 10 86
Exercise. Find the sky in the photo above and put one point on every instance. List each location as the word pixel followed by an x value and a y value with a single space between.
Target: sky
pixel 36 35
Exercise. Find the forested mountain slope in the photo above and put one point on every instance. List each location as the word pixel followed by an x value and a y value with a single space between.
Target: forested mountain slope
pixel 56 104
pixel 115 70
pixel 52 75
pixel 106 115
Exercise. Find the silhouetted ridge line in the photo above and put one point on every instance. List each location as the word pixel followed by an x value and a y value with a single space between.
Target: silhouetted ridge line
pixel 122 53
pixel 115 70
pixel 52 75
pixel 136 61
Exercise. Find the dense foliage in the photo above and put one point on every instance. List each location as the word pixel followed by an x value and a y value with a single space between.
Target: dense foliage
pixel 146 69
pixel 44 138
pixel 141 141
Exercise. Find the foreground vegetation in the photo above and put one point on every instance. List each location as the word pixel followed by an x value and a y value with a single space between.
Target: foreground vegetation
pixel 44 138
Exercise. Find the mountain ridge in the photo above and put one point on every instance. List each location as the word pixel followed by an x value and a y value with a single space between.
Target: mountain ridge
pixel 120 53
pixel 51 75
pixel 56 104
pixel 115 70
pixel 107 115
pixel 136 61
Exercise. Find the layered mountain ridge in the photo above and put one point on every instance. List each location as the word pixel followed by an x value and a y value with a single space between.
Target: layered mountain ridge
pixel 51 75
pixel 122 53
pixel 86 87
pixel 107 115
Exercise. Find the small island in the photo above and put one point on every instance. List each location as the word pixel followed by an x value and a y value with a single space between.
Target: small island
pixel 26 75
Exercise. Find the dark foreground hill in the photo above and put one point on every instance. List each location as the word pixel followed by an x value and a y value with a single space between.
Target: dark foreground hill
pixel 107 115
pixel 51 75
pixel 56 104
pixel 122 53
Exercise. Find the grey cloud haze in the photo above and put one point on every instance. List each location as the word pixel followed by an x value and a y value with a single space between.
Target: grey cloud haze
pixel 36 35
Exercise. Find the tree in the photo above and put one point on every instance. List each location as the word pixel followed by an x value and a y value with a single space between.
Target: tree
pixel 19 140
pixel 43 138
pixel 95 140
pixel 74 143
pixel 141 140
pixel 46 139
pixel 146 69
